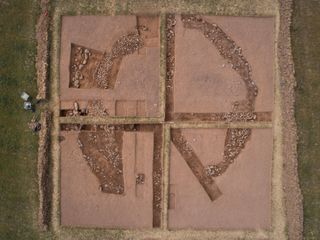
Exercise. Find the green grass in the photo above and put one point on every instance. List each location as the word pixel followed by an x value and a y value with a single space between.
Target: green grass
pixel 306 52
pixel 18 146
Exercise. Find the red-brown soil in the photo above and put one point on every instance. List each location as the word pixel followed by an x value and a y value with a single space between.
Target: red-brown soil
pixel 119 165
pixel 204 78
pixel 227 117
pixel 245 187
pixel 195 164
pixel 170 64
pixel 102 151
pixel 157 175
pixel 83 203
pixel 136 78
pixel 218 69
pixel 82 75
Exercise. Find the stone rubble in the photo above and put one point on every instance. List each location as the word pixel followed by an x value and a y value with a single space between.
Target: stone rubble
pixel 170 63
pixel 242 110
pixel 229 51
pixel 102 153
pixel 140 177
pixel 235 142
pixel 126 45
pixel 81 58
pixel 96 108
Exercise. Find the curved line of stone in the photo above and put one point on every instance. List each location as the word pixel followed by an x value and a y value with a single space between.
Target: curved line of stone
pixel 124 46
pixel 236 138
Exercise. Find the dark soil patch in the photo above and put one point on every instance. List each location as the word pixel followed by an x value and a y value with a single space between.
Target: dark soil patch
pixel 157 175
pixel 101 147
pixel 83 63
pixel 228 117
pixel 170 58
pixel 195 164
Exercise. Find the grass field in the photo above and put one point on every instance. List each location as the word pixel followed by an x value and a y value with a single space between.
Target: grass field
pixel 18 151
pixel 306 52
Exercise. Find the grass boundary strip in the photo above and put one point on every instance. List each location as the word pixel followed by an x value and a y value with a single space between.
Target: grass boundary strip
pixel 292 192
pixel 42 57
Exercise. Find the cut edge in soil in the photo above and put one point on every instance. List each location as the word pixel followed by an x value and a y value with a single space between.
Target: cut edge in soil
pixel 170 65
pixel 195 164
pixel 235 142
pixel 157 129
pixel 43 169
pixel 103 71
pixel 227 117
pixel 102 151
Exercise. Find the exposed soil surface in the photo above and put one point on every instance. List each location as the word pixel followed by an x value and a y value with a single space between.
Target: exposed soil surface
pixel 96 108
pixel 229 50
pixel 194 164
pixel 45 189
pixel 227 117
pixel 83 63
pixel 210 77
pixel 242 110
pixel 90 68
pixel 99 61
pixel 245 187
pixel 236 139
pixel 102 150
pixel 170 64
pixel 107 71
pixel 157 175
pixel 96 69
pixel 218 64
pixel 83 203
pixel 232 103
